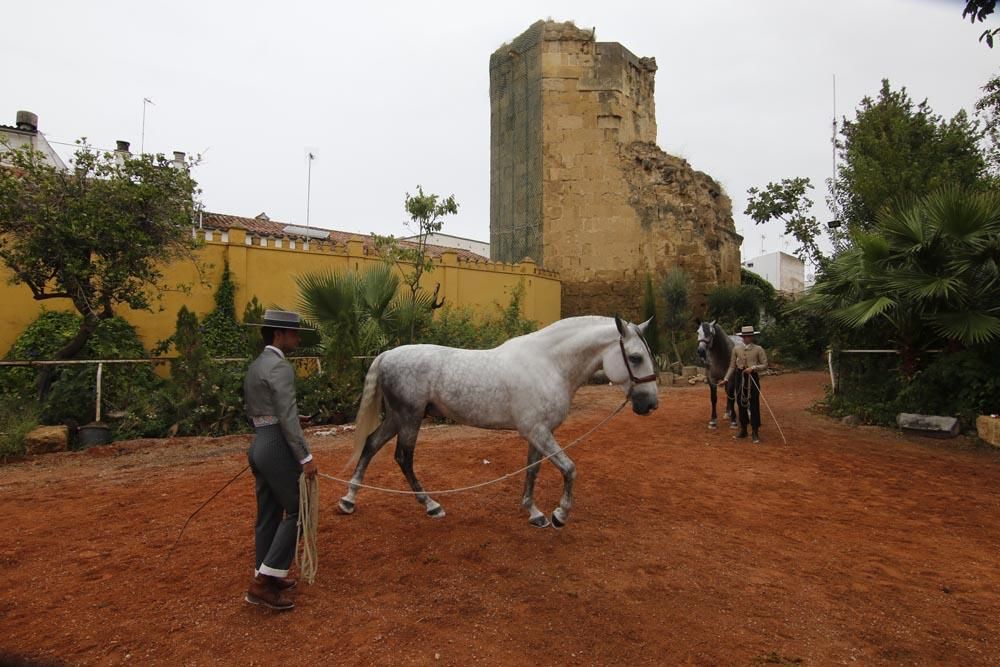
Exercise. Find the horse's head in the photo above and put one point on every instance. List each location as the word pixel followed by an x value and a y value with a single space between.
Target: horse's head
pixel 706 336
pixel 629 364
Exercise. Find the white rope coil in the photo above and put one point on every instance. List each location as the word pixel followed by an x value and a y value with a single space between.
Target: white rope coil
pixel 306 556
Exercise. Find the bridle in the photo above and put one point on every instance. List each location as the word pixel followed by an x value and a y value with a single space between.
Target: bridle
pixel 646 378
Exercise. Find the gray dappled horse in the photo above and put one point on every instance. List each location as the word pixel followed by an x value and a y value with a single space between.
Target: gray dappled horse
pixel 525 384
pixel 716 349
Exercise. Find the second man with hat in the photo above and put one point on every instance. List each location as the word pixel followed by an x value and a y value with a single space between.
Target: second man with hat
pixel 744 368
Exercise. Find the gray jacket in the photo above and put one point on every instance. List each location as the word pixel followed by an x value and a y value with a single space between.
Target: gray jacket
pixel 269 391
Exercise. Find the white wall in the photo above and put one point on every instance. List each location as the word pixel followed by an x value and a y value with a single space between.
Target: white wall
pixel 786 272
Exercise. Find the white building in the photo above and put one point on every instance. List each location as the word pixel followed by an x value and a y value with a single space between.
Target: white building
pixel 449 241
pixel 786 272
pixel 25 132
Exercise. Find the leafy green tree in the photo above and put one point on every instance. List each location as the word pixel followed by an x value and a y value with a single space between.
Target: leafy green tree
pixel 988 113
pixel 978 10
pixel 929 272
pixel 649 313
pixel 96 235
pixel 427 213
pixel 895 149
pixel 675 291
pixel 788 202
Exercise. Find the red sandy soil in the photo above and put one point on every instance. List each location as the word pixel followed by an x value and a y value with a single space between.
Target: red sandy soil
pixel 845 545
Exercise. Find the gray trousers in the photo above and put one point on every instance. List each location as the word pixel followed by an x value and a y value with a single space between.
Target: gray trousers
pixel 276 476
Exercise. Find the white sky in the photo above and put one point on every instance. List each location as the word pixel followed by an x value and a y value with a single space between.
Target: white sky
pixel 389 95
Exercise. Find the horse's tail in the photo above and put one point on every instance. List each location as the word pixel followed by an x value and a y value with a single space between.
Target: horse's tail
pixel 368 412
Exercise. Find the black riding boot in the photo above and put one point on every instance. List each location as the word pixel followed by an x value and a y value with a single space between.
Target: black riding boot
pixel 755 438
pixel 742 433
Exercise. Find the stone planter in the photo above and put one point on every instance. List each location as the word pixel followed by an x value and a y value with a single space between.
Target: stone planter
pixel 988 428
pixel 46 439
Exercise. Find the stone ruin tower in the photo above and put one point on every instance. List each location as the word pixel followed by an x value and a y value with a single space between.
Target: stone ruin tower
pixel 578 184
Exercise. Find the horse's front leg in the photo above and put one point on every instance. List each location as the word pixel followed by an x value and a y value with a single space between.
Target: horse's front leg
pixel 714 396
pixel 543 440
pixel 535 516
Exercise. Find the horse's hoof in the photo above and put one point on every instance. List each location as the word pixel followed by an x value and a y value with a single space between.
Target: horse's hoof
pixel 711 425
pixel 345 506
pixel 435 512
pixel 539 521
pixel 733 425
pixel 556 522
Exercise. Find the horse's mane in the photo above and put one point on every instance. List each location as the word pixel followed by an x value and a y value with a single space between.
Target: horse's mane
pixel 722 347
pixel 569 324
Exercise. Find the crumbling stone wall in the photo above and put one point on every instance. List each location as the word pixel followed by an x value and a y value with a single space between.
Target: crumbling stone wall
pixel 598 201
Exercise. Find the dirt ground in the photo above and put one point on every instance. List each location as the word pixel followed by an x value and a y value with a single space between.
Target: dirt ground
pixel 845 545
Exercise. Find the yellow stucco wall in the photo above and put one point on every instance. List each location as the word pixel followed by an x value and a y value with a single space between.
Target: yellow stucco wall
pixel 269 273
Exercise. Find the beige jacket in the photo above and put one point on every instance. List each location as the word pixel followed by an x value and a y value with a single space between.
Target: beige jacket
pixel 751 356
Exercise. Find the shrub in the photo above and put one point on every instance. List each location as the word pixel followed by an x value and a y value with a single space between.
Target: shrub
pixel 330 398
pixel 203 397
pixel 463 328
pixel 734 307
pixel 72 395
pixel 795 337
pixel 17 419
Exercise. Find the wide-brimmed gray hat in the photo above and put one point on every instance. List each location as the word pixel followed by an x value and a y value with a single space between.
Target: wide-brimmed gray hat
pixel 281 319
pixel 748 331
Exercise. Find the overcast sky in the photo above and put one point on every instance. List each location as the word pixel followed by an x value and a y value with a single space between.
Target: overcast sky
pixel 389 95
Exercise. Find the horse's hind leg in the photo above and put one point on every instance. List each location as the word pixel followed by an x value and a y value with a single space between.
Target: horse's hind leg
pixel 535 516
pixel 714 396
pixel 405 444
pixel 383 434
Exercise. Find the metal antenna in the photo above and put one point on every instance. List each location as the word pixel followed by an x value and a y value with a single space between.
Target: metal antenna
pixel 142 140
pixel 309 186
pixel 833 147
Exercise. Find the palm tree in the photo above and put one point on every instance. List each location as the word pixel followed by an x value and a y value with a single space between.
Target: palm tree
pixel 357 313
pixel 929 268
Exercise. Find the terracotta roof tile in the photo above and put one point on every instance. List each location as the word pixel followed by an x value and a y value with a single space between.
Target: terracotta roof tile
pixel 266 227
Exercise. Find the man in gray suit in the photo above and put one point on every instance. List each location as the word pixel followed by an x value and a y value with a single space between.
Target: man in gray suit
pixel 278 455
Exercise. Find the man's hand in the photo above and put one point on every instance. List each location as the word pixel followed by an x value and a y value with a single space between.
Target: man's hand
pixel 304 420
pixel 721 382
pixel 309 469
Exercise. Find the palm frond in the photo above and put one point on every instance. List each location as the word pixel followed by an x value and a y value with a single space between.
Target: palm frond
pixel 859 313
pixel 969 327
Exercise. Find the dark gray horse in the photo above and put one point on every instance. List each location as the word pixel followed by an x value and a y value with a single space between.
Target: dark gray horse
pixel 526 385
pixel 716 349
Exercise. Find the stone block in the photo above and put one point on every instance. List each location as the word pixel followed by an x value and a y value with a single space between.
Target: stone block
pixel 988 428
pixel 46 439
pixel 666 378
pixel 929 425
pixel 690 371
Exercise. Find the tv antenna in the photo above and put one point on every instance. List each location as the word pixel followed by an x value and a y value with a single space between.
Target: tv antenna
pixel 834 223
pixel 142 138
pixel 310 156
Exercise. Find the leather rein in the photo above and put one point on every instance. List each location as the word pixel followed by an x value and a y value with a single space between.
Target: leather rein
pixel 646 378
